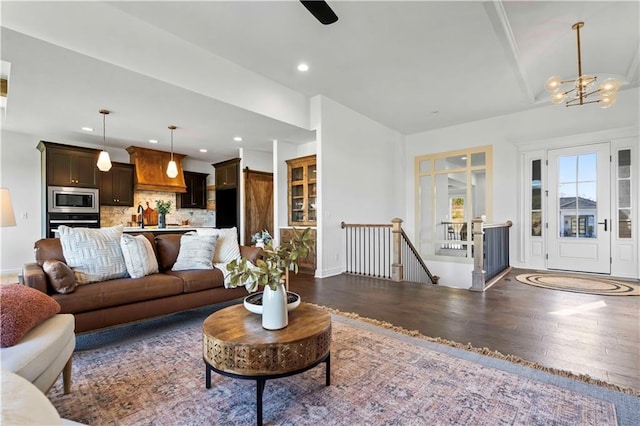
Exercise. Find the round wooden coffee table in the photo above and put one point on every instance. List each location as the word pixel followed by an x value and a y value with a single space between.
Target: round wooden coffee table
pixel 236 345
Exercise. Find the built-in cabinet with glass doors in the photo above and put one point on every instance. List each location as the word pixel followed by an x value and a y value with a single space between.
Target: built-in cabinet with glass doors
pixel 302 191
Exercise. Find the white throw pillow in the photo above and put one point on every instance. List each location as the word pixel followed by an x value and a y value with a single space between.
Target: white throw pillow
pixel 227 248
pixel 93 254
pixel 138 255
pixel 196 252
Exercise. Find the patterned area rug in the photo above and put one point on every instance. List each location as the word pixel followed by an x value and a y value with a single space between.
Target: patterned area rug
pixel 581 284
pixel 378 377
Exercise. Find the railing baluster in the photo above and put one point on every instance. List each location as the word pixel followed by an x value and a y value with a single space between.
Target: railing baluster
pixel 491 253
pixel 370 252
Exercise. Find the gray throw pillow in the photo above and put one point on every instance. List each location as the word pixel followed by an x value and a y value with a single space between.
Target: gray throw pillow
pixel 196 252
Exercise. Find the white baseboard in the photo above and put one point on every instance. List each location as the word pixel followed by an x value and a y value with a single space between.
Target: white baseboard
pixel 329 272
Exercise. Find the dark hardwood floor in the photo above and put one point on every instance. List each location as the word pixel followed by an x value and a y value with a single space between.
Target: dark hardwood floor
pixel 599 337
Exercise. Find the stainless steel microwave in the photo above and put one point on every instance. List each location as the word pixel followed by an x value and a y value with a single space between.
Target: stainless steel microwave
pixel 63 199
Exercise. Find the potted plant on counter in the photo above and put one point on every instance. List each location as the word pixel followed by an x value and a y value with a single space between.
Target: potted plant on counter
pixel 261 238
pixel 270 272
pixel 163 208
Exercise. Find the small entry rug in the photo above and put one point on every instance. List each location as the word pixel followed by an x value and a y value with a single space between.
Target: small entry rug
pixel 378 377
pixel 581 284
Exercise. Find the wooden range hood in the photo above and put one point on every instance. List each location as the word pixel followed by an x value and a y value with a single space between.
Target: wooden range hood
pixel 151 166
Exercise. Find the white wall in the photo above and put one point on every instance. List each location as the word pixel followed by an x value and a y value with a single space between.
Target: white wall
pixel 20 172
pixel 359 164
pixel 257 160
pixel 512 134
pixel 190 67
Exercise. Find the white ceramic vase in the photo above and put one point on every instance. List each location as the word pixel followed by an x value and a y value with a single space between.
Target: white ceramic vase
pixel 274 308
pixel 260 243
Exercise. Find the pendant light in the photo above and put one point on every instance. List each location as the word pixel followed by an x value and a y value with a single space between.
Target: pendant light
pixel 172 168
pixel 104 162
pixel 581 90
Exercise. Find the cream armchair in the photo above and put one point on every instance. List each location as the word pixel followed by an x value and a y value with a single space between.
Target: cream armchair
pixel 24 404
pixel 43 353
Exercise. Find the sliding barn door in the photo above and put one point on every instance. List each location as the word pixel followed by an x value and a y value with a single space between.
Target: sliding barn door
pixel 258 203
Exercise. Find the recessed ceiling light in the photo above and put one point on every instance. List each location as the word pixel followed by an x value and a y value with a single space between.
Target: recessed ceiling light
pixel 303 67
pixel 203 150
pixel 237 139
pixel 153 141
pixel 87 129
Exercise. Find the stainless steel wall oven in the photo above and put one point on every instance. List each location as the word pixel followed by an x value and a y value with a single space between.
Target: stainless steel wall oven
pixel 70 206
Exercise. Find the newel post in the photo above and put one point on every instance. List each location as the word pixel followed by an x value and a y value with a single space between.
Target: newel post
pixel 479 274
pixel 397 273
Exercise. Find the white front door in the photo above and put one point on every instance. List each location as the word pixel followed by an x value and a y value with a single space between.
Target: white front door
pixel 579 227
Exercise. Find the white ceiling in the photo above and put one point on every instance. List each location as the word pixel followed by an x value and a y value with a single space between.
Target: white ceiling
pixel 395 62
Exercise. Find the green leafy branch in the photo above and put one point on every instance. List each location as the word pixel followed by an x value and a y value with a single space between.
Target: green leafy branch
pixel 270 269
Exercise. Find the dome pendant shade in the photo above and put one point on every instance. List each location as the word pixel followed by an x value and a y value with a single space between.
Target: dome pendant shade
pixel 172 169
pixel 104 161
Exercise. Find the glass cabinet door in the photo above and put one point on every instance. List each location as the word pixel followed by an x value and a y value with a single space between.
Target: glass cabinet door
pixel 302 191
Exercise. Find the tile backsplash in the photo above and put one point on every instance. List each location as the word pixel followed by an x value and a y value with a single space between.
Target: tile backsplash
pixel 117 215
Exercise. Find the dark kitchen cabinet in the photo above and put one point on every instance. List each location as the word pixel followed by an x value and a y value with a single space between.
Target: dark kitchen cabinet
pixel 227 173
pixel 196 195
pixel 116 185
pixel 70 166
pixel 227 193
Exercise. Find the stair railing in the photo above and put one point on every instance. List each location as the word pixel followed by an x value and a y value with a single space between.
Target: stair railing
pixel 490 253
pixel 384 251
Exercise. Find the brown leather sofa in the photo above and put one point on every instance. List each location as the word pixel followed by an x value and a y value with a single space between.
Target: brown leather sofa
pixel 109 303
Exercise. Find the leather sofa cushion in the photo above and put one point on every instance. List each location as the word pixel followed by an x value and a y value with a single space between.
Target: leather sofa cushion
pixel 199 279
pixel 168 247
pixel 119 292
pixel 251 253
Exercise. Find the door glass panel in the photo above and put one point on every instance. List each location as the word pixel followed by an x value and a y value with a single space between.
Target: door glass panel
pixel 624 193
pixel 567 193
pixel 478 159
pixel 577 198
pixel 441 198
pixel 587 207
pixel 536 198
pixel 536 224
pixel 587 167
pixel 453 162
pixel 425 166
pixel 478 193
pixel 624 163
pixel 567 169
pixel 426 217
pixel 624 223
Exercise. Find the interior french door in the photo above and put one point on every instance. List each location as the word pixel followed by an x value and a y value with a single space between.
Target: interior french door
pixel 579 227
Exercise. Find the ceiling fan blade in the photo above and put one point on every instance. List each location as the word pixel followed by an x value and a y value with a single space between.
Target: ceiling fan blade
pixel 321 10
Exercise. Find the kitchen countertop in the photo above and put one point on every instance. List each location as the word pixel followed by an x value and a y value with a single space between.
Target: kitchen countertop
pixel 156 229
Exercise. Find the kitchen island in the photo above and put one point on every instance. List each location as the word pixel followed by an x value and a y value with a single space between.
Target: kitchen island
pixel 155 230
